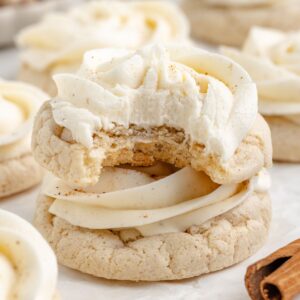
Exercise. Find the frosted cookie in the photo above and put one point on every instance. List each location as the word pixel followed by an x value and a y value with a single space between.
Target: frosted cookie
pixel 272 58
pixel 19 103
pixel 58 42
pixel 28 267
pixel 191 116
pixel 229 21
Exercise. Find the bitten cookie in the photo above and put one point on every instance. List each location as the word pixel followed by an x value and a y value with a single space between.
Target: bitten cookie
pixel 273 58
pixel 156 155
pixel 18 104
pixel 228 22
pixel 58 42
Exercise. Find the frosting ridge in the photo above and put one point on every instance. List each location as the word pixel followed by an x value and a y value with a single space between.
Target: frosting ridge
pixel 150 207
pixel 28 265
pixel 19 103
pixel 272 59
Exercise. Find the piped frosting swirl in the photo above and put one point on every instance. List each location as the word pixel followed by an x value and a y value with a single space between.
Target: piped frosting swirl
pixel 19 103
pixel 28 267
pixel 60 40
pixel 208 96
pixel 272 59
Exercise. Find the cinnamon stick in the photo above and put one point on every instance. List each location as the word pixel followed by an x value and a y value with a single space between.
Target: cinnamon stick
pixel 277 276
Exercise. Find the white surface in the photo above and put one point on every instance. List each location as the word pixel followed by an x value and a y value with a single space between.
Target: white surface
pixel 226 285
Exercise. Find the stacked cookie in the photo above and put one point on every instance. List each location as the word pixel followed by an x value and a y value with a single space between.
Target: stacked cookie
pixel 19 103
pixel 272 59
pixel 158 164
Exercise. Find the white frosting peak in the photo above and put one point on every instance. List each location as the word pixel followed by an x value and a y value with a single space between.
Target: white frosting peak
pixel 28 268
pixel 60 39
pixel 272 59
pixel 208 96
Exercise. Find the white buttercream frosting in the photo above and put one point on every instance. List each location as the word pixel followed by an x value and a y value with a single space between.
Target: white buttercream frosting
pixel 133 199
pixel 244 3
pixel 28 268
pixel 272 59
pixel 19 103
pixel 60 39
pixel 208 96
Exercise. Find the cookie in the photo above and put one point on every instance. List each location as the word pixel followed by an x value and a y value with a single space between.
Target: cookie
pixel 272 59
pixel 226 23
pixel 40 79
pixel 19 174
pixel 57 43
pixel 19 103
pixel 25 255
pixel 283 129
pixel 125 255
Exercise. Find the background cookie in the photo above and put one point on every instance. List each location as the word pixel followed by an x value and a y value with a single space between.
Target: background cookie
pixel 42 80
pixel 285 139
pixel 19 174
pixel 125 255
pixel 230 25
pixel 19 103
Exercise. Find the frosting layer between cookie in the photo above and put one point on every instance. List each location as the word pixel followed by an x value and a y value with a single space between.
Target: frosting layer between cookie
pixel 130 199
pixel 19 103
pixel 272 59
pixel 208 96
pixel 28 268
pixel 60 40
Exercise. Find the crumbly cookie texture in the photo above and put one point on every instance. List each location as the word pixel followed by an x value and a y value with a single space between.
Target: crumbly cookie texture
pixel 125 255
pixel 19 174
pixel 234 23
pixel 78 165
pixel 285 138
pixel 41 79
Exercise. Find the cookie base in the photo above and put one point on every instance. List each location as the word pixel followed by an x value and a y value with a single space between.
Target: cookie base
pixel 230 25
pixel 219 243
pixel 19 174
pixel 285 139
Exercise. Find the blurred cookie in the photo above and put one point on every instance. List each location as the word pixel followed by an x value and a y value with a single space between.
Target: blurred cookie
pixel 272 58
pixel 24 254
pixel 228 22
pixel 18 104
pixel 58 42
